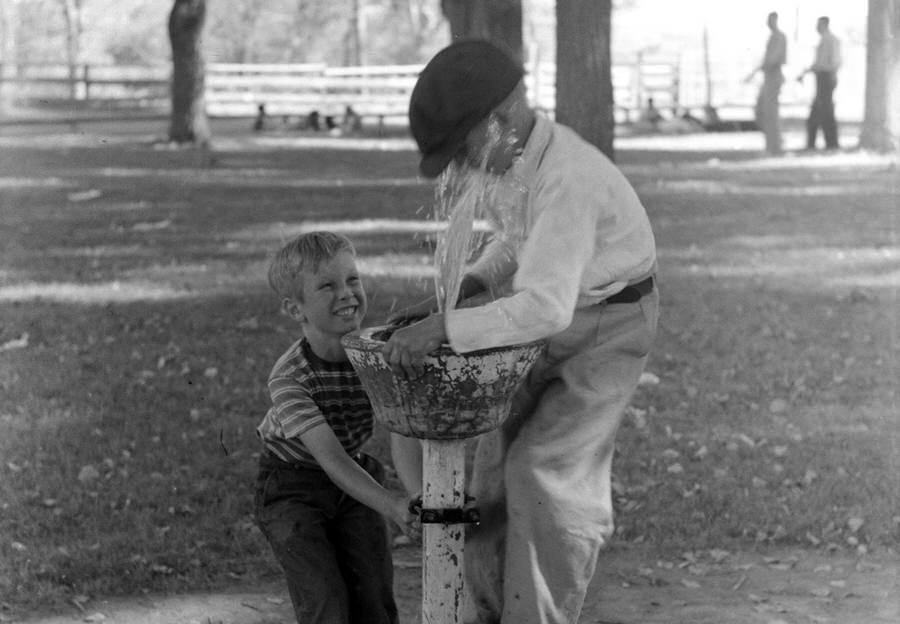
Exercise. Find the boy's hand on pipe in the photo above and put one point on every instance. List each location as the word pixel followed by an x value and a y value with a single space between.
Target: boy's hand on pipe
pixel 403 516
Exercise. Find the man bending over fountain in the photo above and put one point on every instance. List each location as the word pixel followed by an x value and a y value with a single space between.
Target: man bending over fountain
pixel 572 260
pixel 319 500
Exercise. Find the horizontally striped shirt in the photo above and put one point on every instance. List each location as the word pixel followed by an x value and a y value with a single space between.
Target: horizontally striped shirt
pixel 306 392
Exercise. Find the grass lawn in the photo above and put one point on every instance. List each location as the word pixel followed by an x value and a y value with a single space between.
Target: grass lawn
pixel 136 334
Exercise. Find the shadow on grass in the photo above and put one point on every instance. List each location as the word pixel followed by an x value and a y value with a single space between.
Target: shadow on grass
pixel 774 419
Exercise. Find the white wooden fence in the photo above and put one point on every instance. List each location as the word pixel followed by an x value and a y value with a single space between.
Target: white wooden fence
pixel 238 90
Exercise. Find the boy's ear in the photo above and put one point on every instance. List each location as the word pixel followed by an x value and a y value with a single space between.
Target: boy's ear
pixel 294 309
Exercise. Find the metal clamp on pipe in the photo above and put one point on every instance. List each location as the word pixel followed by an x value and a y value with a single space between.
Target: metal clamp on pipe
pixel 446 515
pixel 450 515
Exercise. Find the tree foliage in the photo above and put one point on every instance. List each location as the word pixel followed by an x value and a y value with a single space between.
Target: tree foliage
pixel 266 31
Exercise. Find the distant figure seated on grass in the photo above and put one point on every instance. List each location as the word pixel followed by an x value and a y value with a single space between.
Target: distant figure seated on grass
pixel 352 122
pixel 259 124
pixel 651 114
pixel 310 122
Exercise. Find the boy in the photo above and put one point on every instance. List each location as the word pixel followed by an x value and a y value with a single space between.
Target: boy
pixel 319 500
pixel 577 256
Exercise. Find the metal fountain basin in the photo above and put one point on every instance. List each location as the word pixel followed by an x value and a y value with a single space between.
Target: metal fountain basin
pixel 458 396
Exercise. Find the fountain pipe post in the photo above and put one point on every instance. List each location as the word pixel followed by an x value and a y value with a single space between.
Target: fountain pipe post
pixel 458 397
pixel 444 480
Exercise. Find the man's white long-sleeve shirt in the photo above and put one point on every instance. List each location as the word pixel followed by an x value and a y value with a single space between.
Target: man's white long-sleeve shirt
pixel 776 53
pixel 578 235
pixel 828 54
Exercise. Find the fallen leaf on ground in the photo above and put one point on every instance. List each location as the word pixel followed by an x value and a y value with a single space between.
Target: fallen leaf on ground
pixel 149 226
pixel 88 473
pixel 17 343
pixel 755 598
pixel 648 379
pixel 89 194
pixel 718 555
pixel 248 323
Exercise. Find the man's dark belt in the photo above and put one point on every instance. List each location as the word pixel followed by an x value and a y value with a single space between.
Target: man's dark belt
pixel 633 292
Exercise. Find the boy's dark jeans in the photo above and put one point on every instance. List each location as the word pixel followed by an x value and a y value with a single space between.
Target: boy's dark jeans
pixel 334 550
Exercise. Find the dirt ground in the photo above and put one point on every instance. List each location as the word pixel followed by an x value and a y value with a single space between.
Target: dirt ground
pixel 632 586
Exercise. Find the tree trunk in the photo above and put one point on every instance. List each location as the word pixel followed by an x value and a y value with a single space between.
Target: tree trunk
pixel 498 21
pixel 73 43
pixel 504 23
pixel 353 39
pixel 468 19
pixel 188 122
pixel 9 64
pixel 881 121
pixel 584 93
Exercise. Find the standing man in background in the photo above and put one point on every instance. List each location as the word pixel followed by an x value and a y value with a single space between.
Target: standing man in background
pixel 767 117
pixel 825 68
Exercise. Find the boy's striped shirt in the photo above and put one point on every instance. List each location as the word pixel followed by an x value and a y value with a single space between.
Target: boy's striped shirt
pixel 307 392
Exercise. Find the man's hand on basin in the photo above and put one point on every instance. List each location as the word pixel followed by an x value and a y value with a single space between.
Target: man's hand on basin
pixel 407 347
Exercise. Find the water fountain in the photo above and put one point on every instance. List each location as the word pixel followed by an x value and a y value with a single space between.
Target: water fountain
pixel 459 396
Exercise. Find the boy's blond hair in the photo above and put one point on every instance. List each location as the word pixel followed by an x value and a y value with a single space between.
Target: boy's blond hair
pixel 304 253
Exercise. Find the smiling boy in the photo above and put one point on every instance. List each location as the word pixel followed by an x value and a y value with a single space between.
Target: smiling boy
pixel 319 499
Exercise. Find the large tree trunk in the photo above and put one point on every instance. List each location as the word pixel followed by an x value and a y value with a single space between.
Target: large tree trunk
pixel 467 18
pixel 353 55
pixel 881 122
pixel 498 21
pixel 9 64
pixel 188 122
pixel 584 93
pixel 504 21
pixel 73 43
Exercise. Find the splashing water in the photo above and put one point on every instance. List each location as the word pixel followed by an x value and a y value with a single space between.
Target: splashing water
pixel 464 193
